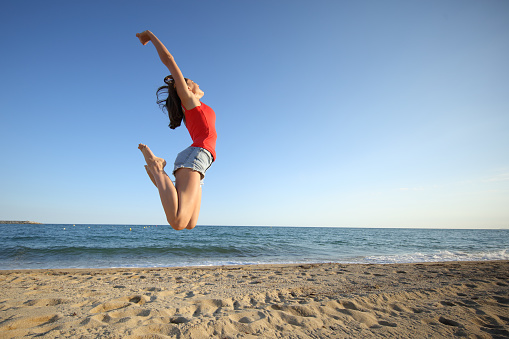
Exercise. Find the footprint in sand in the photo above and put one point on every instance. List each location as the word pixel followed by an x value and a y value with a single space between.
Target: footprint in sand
pixel 102 318
pixel 247 317
pixel 400 308
pixel 179 320
pixel 45 302
pixel 30 322
pixel 448 322
pixel 353 310
pixel 211 306
pixel 119 303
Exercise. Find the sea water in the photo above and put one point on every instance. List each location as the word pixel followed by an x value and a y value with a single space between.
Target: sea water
pixel 106 246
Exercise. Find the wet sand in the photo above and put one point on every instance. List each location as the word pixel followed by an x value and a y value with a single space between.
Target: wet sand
pixel 435 300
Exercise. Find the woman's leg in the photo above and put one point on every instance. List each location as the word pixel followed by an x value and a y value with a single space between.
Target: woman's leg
pixel 189 190
pixel 179 204
pixel 194 218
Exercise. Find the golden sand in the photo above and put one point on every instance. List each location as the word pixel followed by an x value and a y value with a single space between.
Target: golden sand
pixel 431 300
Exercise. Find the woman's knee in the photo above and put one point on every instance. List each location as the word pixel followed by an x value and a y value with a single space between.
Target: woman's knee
pixel 181 222
pixel 190 226
pixel 176 225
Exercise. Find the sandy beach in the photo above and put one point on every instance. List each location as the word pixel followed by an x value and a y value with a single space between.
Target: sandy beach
pixel 429 300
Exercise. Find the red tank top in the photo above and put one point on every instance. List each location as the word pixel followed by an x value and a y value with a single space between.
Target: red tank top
pixel 201 124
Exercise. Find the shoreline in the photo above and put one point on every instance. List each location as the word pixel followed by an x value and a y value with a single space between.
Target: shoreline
pixel 237 266
pixel 73 269
pixel 331 300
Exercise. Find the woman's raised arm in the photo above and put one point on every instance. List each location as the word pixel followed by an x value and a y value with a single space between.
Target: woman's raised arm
pixel 186 96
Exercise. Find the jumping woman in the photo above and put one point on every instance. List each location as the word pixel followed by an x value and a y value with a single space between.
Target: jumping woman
pixel 181 202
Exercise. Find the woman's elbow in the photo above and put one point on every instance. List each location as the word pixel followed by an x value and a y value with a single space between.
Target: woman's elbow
pixel 167 60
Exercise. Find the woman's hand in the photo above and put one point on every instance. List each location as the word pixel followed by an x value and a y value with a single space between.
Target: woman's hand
pixel 144 37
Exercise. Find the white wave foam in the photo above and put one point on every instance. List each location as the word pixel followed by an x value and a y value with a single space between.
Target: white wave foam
pixel 442 255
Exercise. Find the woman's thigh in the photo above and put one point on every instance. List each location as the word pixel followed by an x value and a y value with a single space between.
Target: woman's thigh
pixel 188 187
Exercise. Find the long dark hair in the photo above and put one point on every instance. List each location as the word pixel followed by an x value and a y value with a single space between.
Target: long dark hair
pixel 171 104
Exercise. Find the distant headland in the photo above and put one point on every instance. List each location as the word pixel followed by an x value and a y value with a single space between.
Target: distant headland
pixel 19 222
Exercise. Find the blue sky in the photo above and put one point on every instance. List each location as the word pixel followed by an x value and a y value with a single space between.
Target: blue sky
pixel 329 113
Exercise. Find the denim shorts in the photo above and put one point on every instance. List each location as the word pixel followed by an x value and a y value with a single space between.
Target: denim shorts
pixel 196 158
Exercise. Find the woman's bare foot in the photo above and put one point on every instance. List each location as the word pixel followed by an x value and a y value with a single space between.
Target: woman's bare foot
pixel 154 164
pixel 150 175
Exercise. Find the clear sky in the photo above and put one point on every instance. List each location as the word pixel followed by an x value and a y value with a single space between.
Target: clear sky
pixel 329 113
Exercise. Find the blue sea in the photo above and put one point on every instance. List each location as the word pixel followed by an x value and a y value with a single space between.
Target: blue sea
pixel 108 246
